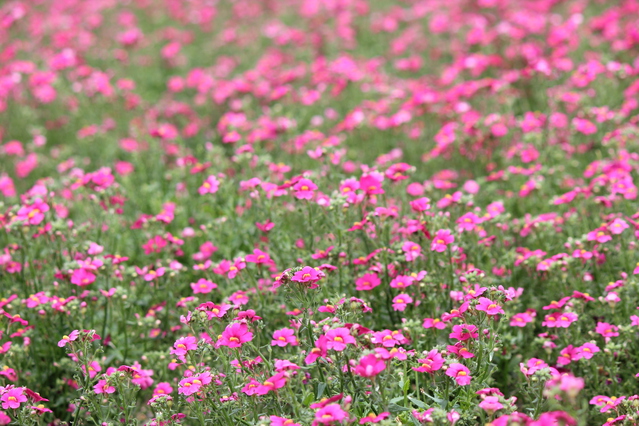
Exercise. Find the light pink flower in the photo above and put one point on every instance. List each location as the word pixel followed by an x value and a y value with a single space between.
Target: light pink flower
pixel 460 373
pixel 284 337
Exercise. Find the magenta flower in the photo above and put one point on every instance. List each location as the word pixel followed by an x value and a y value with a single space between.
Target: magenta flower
pixel 490 404
pixel 468 221
pixel 532 365
pixel 183 345
pixel 210 186
pixel 304 189
pixel 68 339
pixel 488 306
pixel 203 286
pixel 371 184
pixel 442 238
pixel 103 387
pixel 401 301
pixel 284 337
pixel 370 366
pixel 607 330
pixel 33 214
pixel 332 413
pixel 411 251
pixel 434 323
pixel 588 350
pixel 308 275
pixel 94 369
pixel 282 421
pixel 235 335
pixel 338 338
pixel 559 319
pixel 460 373
pixel 12 398
pixel 372 418
pixel 258 257
pixel 369 281
pixel 460 350
pixel 163 388
pixel 190 385
pixel 568 354
pixel 402 281
pixel 81 277
pixel 319 351
pixel 464 332
pixel 433 362
pixel 521 319
pixel 271 384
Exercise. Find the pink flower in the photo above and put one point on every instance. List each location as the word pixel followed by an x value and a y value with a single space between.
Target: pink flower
pixel 388 338
pixel 308 276
pixel 420 204
pixel 588 350
pixel 559 319
pixel 600 235
pixel 441 240
pixel 460 373
pixel 372 418
pixel 12 398
pixel 401 301
pixel 411 250
pixel 190 385
pixel 460 350
pixel 567 355
pixel 284 337
pixel 533 365
pixel 468 221
pixel 68 339
pixel 210 186
pixel 258 257
pixel 282 421
pixel 183 345
pixel 369 281
pixel 251 387
pixel 521 319
pixel 319 351
pixel 304 189
pixel 402 281
pixel 434 323
pixel 203 286
pixel 607 330
pixel 338 338
pixel 449 200
pixel 488 306
pixel 617 226
pixel 154 274
pixel 490 404
pixel 271 384
pixel 33 214
pixel 464 332
pixel 330 414
pixel 235 335
pixel 82 277
pixel 370 366
pixel 94 369
pixel 163 388
pixel 371 184
pixel 103 387
pixel 433 362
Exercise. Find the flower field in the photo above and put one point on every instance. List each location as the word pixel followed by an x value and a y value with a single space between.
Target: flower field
pixel 319 212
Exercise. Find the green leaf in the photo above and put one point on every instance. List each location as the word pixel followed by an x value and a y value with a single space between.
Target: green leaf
pixel 321 387
pixel 394 408
pixel 418 403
